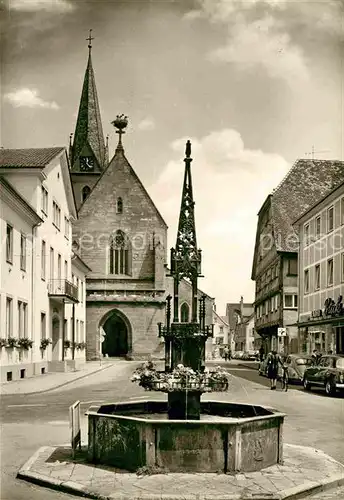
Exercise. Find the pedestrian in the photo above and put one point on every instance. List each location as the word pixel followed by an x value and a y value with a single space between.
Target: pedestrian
pixel 225 353
pixel 273 361
pixel 315 356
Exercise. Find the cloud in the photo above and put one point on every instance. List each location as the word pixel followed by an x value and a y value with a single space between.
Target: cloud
pixel 29 98
pixel 262 43
pixel 273 35
pixel 39 5
pixel 230 184
pixel 147 124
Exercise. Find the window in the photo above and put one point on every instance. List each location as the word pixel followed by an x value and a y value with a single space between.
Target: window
pixel 330 272
pixel 342 210
pixel 288 300
pixel 221 329
pixel 306 234
pixel 184 313
pixel 317 277
pixel 330 219
pixel 318 227
pixel 342 266
pixel 306 281
pixel 56 215
pixel 268 275
pixel 272 303
pixel 22 319
pixel 44 201
pixel 43 326
pixel 85 192
pixel 292 267
pixel 119 206
pixel 65 270
pixel 9 303
pixel 9 243
pixel 22 252
pixel 43 260
pixel 119 254
pixel 66 227
pixel 51 263
pixel 59 270
pixel 295 301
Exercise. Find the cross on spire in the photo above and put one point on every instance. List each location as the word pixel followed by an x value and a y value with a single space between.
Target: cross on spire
pixel 89 39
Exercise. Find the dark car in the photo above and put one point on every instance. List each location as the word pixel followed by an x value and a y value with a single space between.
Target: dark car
pixel 297 364
pixel 327 373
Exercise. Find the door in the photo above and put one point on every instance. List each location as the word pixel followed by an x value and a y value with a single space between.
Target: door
pixel 55 338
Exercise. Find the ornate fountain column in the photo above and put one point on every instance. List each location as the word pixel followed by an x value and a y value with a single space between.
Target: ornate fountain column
pixel 185 342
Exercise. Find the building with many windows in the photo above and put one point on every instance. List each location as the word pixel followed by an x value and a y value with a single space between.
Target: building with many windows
pixel 42 312
pixel 321 274
pixel 275 261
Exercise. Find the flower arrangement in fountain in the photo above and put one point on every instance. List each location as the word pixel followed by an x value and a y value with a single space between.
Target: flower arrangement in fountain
pixel 182 378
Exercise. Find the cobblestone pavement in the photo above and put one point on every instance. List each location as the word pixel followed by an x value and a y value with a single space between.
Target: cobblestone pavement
pixel 303 470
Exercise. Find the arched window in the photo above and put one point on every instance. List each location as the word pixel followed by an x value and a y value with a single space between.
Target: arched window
pixel 184 313
pixel 119 206
pixel 85 192
pixel 120 254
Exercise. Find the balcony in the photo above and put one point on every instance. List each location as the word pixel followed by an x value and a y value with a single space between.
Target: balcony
pixel 63 290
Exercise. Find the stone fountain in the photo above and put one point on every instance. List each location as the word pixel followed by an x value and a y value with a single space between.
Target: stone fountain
pixel 185 434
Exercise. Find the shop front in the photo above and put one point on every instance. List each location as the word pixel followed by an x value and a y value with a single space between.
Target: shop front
pixel 324 329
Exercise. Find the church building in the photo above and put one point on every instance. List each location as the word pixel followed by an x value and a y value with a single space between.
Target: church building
pixel 120 235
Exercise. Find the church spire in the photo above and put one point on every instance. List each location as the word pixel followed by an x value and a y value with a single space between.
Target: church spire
pixel 88 135
pixel 186 257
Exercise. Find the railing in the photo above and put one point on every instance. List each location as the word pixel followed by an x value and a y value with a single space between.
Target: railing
pixel 63 288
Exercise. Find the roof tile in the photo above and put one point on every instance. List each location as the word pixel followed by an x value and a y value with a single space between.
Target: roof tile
pixel 21 158
pixel 305 184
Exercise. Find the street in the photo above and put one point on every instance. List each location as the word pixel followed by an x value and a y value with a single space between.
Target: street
pixel 31 421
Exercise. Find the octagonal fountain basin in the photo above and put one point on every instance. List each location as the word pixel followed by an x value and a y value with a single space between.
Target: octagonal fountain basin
pixel 229 437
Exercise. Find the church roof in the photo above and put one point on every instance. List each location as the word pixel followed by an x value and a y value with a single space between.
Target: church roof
pixel 27 158
pixel 89 130
pixel 118 161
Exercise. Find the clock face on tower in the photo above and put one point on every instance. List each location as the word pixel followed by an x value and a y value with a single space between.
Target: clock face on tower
pixel 86 163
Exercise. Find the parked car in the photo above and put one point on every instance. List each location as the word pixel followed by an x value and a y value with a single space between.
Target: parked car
pixel 327 373
pixel 296 365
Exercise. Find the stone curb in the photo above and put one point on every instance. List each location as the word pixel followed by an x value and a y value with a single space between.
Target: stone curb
pixel 63 384
pixel 72 487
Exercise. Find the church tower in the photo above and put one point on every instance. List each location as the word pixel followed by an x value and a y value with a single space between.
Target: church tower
pixel 88 153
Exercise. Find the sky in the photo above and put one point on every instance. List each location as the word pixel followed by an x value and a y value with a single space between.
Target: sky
pixel 253 84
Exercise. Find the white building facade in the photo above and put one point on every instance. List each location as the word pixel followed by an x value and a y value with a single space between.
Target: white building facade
pixel 221 334
pixel 41 308
pixel 321 275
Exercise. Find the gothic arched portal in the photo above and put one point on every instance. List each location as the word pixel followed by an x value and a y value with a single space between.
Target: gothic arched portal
pixel 117 330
